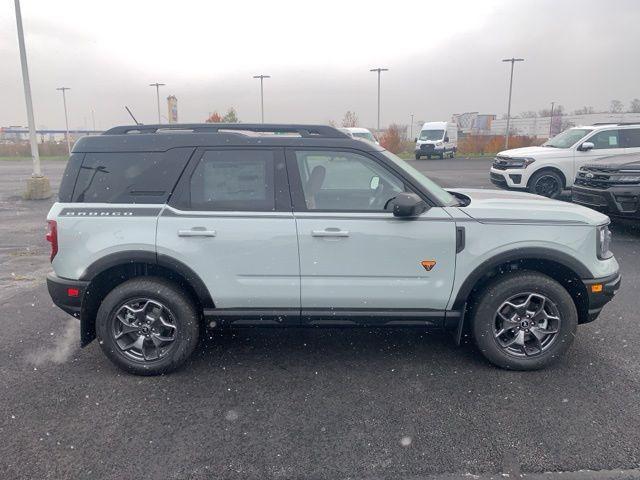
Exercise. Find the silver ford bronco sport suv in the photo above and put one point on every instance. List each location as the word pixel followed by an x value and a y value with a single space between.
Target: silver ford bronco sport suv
pixel 163 231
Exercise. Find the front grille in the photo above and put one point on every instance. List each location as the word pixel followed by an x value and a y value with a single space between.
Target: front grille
pixel 427 147
pixel 590 178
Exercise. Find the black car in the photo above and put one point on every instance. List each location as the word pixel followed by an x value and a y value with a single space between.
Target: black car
pixel 611 186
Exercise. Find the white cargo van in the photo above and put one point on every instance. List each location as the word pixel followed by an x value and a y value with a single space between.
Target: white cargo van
pixel 437 139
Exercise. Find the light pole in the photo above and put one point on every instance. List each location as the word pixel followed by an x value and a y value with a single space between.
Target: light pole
pixel 513 61
pixel 158 85
pixel 262 77
pixel 551 118
pixel 38 186
pixel 93 119
pixel 66 116
pixel 379 70
pixel 411 128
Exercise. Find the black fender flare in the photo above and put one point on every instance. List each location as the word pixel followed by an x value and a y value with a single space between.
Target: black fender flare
pixel 149 257
pixel 515 255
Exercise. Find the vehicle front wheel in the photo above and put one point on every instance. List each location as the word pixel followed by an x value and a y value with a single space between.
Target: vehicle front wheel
pixel 147 326
pixel 417 156
pixel 524 320
pixel 546 183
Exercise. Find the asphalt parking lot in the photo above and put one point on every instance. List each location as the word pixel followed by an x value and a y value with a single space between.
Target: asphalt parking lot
pixel 330 403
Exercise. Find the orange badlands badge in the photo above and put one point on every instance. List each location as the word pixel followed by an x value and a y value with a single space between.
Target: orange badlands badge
pixel 428 264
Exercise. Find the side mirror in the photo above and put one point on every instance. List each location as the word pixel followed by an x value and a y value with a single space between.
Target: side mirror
pixel 586 146
pixel 446 139
pixel 374 183
pixel 408 205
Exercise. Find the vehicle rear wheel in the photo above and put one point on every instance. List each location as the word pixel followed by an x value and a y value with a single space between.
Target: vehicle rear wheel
pixel 441 156
pixel 147 326
pixel 524 320
pixel 546 183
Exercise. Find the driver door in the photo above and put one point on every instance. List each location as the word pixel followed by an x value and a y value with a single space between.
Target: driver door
pixel 358 263
pixel 605 144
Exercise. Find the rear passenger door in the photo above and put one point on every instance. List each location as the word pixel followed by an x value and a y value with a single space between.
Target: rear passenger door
pixel 230 221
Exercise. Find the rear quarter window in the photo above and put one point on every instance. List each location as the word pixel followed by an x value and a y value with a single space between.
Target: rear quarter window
pixel 129 177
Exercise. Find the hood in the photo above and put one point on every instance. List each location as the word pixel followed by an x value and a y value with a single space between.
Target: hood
pixel 534 152
pixel 629 161
pixel 500 206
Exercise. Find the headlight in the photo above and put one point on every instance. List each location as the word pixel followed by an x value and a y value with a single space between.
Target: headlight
pixel 603 243
pixel 515 162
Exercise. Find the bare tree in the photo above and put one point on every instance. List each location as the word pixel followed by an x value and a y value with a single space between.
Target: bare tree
pixel 529 114
pixel 350 119
pixel 584 110
pixel 634 106
pixel 615 106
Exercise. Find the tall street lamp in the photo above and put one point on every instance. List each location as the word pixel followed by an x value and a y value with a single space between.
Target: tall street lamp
pixel 379 70
pixel 158 85
pixel 38 186
pixel 512 61
pixel 553 104
pixel 262 77
pixel 66 116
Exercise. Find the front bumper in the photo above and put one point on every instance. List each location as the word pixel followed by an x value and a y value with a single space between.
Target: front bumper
pixel 512 178
pixel 427 148
pixel 67 294
pixel 617 200
pixel 600 291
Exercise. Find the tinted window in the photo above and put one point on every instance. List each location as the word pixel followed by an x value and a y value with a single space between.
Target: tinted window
pixel 605 139
pixel 65 193
pixel 241 180
pixel 345 181
pixel 630 138
pixel 139 177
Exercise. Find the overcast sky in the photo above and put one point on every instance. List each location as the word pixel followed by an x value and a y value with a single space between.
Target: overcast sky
pixel 443 58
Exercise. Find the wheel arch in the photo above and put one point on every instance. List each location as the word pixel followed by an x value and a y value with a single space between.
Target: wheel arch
pixel 548 168
pixel 112 270
pixel 568 271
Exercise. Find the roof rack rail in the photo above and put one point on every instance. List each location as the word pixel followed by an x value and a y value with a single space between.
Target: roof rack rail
pixel 315 131
pixel 616 123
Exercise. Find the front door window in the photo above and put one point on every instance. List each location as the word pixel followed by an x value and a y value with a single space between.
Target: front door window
pixel 345 181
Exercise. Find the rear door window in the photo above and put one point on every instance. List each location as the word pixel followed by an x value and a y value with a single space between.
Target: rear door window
pixel 630 137
pixel 129 177
pixel 237 180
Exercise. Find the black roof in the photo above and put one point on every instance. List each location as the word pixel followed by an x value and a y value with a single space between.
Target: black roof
pixel 158 138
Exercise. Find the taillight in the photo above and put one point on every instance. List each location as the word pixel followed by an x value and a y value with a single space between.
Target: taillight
pixel 52 237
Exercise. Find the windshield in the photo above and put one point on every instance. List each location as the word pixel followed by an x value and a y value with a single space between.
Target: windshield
pixel 436 190
pixel 365 135
pixel 567 138
pixel 431 134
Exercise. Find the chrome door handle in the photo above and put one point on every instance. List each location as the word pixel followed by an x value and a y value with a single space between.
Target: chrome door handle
pixel 330 232
pixel 197 232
